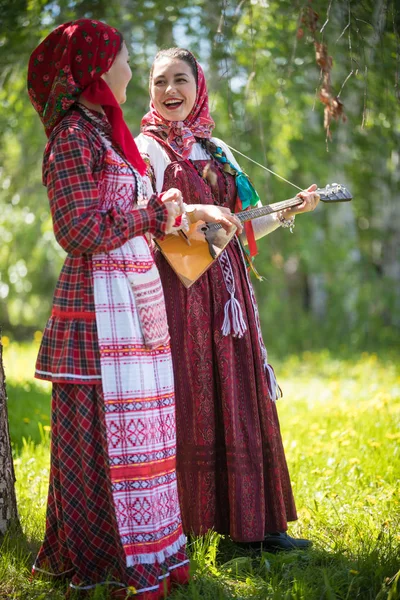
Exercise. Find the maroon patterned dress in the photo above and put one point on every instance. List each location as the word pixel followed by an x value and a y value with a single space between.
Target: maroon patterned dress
pixel 231 467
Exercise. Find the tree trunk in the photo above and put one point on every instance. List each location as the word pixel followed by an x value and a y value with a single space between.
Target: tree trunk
pixel 8 501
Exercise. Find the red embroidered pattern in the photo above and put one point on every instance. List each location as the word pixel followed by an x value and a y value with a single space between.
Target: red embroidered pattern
pixel 81 543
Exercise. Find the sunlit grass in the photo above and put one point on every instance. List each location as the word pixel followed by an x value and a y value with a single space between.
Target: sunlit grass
pixel 340 422
pixel 29 398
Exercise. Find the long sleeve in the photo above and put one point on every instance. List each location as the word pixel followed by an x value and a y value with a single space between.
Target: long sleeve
pixel 156 156
pixel 263 226
pixel 80 226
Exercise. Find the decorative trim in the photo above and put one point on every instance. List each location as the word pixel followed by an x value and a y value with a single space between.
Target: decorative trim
pixel 73 314
pixel 61 376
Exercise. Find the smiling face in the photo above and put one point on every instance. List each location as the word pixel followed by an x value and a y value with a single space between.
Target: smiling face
pixel 173 88
pixel 119 75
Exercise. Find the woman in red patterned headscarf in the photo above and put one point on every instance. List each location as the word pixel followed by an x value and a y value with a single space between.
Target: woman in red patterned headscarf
pixel 231 467
pixel 113 513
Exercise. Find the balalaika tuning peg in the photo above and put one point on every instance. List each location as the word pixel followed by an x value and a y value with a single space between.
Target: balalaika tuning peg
pixel 334 192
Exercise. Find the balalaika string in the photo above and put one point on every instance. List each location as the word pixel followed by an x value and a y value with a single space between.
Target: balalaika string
pixel 265 168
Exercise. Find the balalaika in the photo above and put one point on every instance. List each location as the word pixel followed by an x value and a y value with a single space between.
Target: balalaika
pixel 190 254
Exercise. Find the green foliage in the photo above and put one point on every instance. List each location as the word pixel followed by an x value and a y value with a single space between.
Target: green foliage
pixel 335 281
pixel 340 422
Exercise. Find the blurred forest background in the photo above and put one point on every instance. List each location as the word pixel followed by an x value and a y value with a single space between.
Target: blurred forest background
pixel 334 282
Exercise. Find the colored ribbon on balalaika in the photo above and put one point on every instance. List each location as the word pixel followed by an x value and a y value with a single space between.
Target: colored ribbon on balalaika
pixel 247 196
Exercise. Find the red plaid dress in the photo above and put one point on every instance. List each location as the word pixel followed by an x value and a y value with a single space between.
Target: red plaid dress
pixel 82 541
pixel 73 167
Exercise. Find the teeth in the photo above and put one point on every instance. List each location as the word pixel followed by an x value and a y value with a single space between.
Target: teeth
pixel 172 101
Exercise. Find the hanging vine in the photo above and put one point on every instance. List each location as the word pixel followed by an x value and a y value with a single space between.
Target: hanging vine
pixel 333 106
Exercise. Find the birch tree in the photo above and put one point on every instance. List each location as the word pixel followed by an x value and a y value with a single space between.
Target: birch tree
pixel 8 502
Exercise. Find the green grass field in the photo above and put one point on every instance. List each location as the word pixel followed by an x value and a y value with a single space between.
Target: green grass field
pixel 340 422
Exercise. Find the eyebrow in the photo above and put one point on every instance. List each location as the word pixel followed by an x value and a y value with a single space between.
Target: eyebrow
pixel 175 75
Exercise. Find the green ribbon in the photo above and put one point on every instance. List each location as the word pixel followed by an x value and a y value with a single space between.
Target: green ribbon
pixel 245 189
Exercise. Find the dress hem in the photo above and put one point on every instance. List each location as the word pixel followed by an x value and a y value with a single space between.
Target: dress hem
pixel 180 571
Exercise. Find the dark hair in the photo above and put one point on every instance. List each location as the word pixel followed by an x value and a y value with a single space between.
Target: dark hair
pixel 179 54
pixel 121 40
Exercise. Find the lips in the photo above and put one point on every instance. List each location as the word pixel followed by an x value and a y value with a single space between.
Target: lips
pixel 173 103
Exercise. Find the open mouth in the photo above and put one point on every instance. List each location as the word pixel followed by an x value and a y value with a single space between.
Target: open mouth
pixel 173 103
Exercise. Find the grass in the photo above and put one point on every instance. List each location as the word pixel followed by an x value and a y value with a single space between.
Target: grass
pixel 340 422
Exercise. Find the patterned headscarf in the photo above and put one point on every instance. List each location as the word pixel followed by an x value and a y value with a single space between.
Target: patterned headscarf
pixel 181 134
pixel 70 62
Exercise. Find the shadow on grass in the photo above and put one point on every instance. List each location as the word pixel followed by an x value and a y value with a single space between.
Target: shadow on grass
pixel 17 554
pixel 371 572
pixel 15 542
pixel 223 571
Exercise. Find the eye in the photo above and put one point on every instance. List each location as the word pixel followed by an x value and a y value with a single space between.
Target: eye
pixel 181 80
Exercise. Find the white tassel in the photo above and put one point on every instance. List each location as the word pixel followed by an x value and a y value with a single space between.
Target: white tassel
pixel 274 389
pixel 233 323
pixel 273 386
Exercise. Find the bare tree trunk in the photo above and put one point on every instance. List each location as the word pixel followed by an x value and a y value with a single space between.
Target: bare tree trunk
pixel 8 501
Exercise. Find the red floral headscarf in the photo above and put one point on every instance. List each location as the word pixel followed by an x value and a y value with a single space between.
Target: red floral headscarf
pixel 70 62
pixel 181 134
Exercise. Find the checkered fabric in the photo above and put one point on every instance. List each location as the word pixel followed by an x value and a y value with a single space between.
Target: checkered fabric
pixel 113 512
pixel 81 542
pixel 87 219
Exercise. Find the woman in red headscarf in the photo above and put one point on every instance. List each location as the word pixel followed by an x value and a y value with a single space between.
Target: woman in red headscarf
pixel 113 513
pixel 231 467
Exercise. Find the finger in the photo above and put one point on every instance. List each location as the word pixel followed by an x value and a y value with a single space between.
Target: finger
pixel 172 195
pixel 226 224
pixel 237 223
pixel 312 188
pixel 233 220
pixel 304 201
pixel 177 197
pixel 173 209
pixel 167 196
pixel 178 207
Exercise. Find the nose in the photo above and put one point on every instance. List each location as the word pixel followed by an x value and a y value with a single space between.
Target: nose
pixel 170 88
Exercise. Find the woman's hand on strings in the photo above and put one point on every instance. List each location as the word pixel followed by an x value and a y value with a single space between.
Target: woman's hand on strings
pixel 218 214
pixel 310 201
